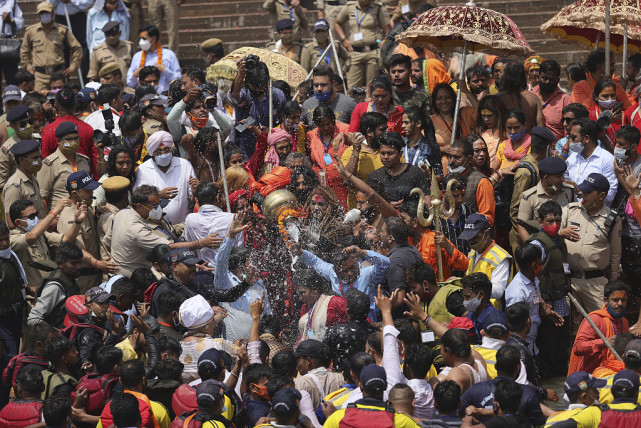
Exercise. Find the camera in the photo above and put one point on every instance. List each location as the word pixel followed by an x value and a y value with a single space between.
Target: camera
pixel 209 91
pixel 251 61
pixel 107 139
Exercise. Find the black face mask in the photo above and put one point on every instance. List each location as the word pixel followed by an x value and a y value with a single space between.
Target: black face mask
pixel 257 94
pixel 547 87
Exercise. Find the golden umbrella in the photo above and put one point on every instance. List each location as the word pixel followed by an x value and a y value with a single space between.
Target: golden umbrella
pixel 280 67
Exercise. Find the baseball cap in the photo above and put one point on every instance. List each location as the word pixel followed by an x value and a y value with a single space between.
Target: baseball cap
pixel 184 255
pixel 81 180
pixel 210 392
pixel 12 92
pixel 153 99
pixel 495 319
pixel 75 305
pixel 373 378
pixel 594 181
pixel 44 6
pixel 86 94
pixel 580 381
pixel 633 349
pixel 309 348
pixel 628 378
pixel 211 357
pixel 321 24
pixel 284 402
pixel 97 295
pixel 473 225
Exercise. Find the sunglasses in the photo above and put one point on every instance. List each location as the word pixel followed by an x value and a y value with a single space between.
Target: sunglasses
pixel 567 119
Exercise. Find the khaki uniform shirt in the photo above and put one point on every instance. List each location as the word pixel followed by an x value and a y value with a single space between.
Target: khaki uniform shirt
pixel 598 247
pixel 294 52
pixel 87 240
pixel 152 125
pixel 408 7
pixel 312 52
pixel 130 239
pixel 42 48
pixel 103 54
pixel 53 175
pixel 522 182
pixel 370 22
pixel 39 250
pixel 279 10
pixel 20 187
pixel 8 165
pixel 532 199
pixel 104 226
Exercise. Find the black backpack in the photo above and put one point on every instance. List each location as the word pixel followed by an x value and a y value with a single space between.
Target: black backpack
pixel 503 196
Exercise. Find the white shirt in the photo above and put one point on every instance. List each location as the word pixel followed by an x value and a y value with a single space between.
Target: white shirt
pixel 15 13
pixel 177 175
pixel 500 276
pixel 97 121
pixel 209 220
pixel 601 161
pixel 522 289
pixel 172 68
pixel 423 394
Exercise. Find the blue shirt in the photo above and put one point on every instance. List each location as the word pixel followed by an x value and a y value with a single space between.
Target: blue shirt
pixel 482 395
pixel 424 150
pixel 521 289
pixel 74 6
pixel 96 19
pixel 172 68
pixel 367 280
pixel 247 106
pixel 479 320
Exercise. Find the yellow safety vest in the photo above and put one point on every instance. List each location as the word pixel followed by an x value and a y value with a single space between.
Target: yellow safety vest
pixel 605 393
pixel 489 355
pixel 561 416
pixel 438 308
pixel 486 264
pixel 338 397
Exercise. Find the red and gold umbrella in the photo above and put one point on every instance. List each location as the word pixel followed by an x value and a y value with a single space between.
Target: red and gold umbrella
pixel 595 10
pixel 459 28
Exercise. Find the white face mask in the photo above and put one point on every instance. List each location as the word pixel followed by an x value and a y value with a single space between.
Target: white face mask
pixel 31 223
pixel 576 147
pixel 156 213
pixel 144 44
pixel 164 159
pixel 5 254
pixel 457 170
pixel 620 153
pixel 45 17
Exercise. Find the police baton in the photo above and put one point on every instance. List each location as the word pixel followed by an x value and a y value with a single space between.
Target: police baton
pixel 82 83
pixel 596 329
pixel 338 63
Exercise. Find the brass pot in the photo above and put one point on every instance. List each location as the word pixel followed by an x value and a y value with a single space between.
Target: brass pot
pixel 277 201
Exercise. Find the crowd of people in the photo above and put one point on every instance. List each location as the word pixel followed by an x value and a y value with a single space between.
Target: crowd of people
pixel 169 259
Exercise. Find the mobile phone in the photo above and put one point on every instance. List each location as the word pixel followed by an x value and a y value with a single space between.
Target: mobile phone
pixel 617 106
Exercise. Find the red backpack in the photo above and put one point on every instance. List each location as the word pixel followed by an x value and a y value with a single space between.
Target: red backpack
pixel 20 413
pixel 73 330
pixel 99 389
pixel 357 417
pixel 11 372
pixel 184 400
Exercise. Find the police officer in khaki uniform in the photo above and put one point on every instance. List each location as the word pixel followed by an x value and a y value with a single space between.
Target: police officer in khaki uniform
pixel 593 238
pixel 111 73
pixel 80 187
pixel 287 9
pixel 117 194
pixel 368 22
pixel 111 50
pixel 313 50
pixel 23 184
pixel 329 9
pixel 164 14
pixel 18 122
pixel 152 107
pixel 61 163
pixel 213 50
pixel 285 44
pixel 41 52
pixel 406 8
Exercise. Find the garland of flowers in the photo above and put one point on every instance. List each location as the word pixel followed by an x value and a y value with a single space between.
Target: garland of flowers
pixel 143 57
pixel 282 217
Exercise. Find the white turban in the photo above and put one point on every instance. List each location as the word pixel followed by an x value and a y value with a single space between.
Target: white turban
pixel 157 139
pixel 195 312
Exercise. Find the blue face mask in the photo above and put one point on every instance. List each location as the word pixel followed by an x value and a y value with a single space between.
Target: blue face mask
pixel 614 314
pixel 518 136
pixel 323 96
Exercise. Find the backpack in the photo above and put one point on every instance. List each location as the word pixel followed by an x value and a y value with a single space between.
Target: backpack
pixel 358 417
pixel 54 380
pixel 13 369
pixel 619 417
pixel 144 406
pixel 503 196
pixel 73 331
pixel 20 413
pixel 196 419
pixel 99 389
pixel 184 401
pixel 149 292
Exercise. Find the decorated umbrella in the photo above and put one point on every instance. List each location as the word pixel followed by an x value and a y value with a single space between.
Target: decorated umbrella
pixel 459 28
pixel 280 67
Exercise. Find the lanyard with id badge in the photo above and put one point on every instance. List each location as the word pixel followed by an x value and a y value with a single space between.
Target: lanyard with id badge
pixel 359 36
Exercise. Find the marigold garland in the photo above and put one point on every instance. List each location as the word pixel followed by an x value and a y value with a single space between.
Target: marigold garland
pixel 143 57
pixel 282 217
